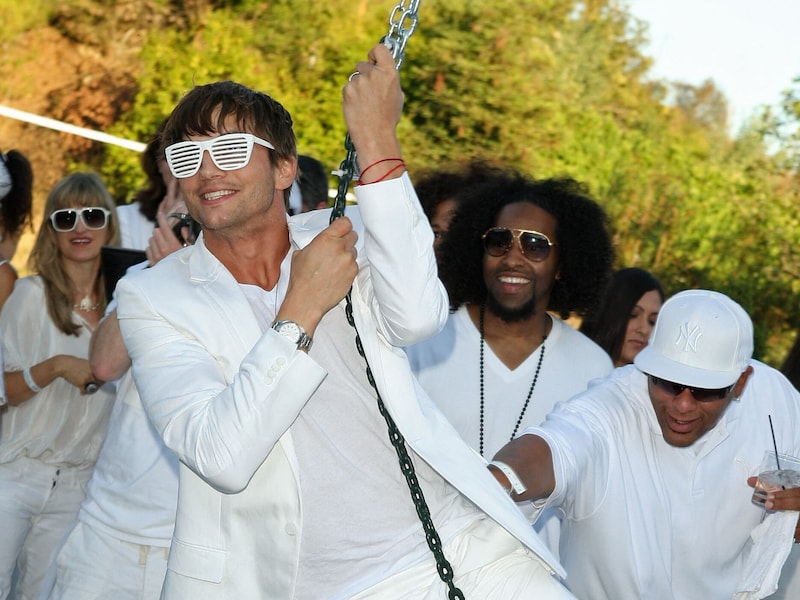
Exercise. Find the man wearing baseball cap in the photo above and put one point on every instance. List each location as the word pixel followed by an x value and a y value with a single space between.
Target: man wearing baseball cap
pixel 650 466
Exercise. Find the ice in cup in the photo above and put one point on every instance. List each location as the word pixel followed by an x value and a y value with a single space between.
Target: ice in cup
pixel 771 478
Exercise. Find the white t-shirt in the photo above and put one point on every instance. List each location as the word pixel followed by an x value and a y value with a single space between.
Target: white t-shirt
pixel 134 229
pixel 59 425
pixel 448 367
pixel 133 492
pixel 644 519
pixel 2 380
pixel 354 537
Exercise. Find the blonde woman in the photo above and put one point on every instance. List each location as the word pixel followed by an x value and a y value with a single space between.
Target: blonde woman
pixel 56 414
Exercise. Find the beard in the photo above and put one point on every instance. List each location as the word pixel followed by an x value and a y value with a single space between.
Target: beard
pixel 511 315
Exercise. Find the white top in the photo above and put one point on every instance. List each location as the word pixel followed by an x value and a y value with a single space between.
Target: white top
pixel 133 491
pixel 644 519
pixel 340 431
pixel 58 426
pixel 2 380
pixel 448 367
pixel 226 397
pixel 134 229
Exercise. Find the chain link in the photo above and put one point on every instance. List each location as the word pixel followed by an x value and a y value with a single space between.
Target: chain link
pixel 407 467
pixel 402 23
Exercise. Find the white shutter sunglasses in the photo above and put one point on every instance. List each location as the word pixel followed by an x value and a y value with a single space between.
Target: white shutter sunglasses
pixel 229 152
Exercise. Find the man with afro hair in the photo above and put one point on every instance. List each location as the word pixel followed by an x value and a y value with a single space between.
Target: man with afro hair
pixel 520 256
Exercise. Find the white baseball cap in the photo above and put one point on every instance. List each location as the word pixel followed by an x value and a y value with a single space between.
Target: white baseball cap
pixel 701 339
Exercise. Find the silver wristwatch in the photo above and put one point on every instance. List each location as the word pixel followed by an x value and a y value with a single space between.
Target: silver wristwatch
pixel 294 332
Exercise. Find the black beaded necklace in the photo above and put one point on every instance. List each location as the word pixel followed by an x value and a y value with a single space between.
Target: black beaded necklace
pixel 530 391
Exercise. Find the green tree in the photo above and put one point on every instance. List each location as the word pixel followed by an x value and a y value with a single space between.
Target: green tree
pixel 550 87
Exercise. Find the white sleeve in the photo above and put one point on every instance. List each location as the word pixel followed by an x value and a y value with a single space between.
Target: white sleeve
pixel 401 284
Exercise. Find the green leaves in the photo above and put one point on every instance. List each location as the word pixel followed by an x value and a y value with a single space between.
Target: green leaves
pixel 551 87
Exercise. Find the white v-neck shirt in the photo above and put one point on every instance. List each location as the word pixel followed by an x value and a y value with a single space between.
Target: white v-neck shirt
pixel 355 536
pixel 448 367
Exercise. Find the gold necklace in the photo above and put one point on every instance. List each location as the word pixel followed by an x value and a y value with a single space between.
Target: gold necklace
pixel 86 304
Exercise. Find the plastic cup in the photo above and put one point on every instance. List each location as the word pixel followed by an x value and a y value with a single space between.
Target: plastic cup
pixel 771 478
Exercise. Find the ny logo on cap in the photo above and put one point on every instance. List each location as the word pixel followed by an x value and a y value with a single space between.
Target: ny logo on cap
pixel 688 338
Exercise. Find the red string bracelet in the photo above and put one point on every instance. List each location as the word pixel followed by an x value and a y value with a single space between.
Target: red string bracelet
pixel 377 162
pixel 389 172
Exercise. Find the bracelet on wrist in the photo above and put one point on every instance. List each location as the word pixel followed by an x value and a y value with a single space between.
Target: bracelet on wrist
pixel 385 175
pixel 26 375
pixel 516 483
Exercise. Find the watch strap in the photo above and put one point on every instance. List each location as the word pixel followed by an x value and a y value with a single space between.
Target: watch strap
pixel 303 340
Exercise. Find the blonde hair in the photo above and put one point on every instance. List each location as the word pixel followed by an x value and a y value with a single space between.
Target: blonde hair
pixel 76 190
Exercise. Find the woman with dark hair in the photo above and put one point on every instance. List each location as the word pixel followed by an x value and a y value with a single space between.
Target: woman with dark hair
pixel 623 320
pixel 16 201
pixel 56 417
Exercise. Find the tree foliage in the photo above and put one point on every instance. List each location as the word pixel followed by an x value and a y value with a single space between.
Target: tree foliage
pixel 551 87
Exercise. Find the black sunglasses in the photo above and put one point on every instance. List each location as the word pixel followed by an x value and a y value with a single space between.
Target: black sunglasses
pixel 699 394
pixel 534 245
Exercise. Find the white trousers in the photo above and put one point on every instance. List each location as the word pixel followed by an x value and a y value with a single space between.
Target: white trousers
pixel 487 562
pixel 95 565
pixel 38 503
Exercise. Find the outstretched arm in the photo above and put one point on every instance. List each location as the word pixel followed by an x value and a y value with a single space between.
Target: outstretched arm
pixel 400 284
pixel 529 457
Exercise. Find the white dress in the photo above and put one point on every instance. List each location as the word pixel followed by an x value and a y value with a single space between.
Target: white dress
pixel 48 444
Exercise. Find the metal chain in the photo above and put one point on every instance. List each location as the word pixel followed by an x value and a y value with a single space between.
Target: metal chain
pixel 407 467
pixel 402 23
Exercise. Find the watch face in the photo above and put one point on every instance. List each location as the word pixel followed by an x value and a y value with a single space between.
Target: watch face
pixel 290 330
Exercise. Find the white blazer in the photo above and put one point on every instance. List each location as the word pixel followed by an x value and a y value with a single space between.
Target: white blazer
pixel 223 396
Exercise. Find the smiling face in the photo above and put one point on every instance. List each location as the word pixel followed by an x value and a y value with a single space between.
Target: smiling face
pixel 235 201
pixel 518 287
pixel 682 418
pixel 81 244
pixel 640 326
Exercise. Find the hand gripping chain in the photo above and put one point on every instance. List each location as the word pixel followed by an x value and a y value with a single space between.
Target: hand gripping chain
pixel 402 24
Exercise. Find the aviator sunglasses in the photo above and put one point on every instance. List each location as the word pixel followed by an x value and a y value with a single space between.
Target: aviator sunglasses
pixel 699 394
pixel 66 219
pixel 229 152
pixel 534 246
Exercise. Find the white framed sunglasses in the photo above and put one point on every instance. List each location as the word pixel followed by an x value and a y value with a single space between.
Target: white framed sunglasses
pixel 66 219
pixel 229 152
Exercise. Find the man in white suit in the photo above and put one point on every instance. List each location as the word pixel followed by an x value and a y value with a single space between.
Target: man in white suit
pixel 289 484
